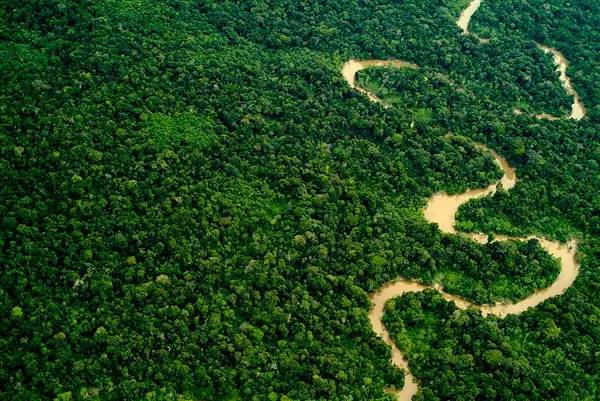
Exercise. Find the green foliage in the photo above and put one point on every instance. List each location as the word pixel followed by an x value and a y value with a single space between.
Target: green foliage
pixel 66 396
pixel 16 313
pixel 186 128
pixel 195 205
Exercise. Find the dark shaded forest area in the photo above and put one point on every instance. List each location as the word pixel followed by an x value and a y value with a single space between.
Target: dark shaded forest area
pixel 194 205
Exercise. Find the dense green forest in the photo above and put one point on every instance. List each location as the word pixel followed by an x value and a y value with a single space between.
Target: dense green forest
pixel 194 205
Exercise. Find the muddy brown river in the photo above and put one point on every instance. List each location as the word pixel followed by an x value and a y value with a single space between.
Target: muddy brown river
pixel 441 209
pixel 577 108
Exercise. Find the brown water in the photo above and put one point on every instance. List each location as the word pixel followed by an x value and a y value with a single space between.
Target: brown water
pixel 441 209
pixel 350 68
pixel 568 274
pixel 577 108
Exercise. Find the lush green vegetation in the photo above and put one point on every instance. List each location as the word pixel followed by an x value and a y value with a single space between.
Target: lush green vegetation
pixel 459 354
pixel 194 204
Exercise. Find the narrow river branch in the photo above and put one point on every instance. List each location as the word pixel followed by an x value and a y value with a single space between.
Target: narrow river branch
pixel 578 110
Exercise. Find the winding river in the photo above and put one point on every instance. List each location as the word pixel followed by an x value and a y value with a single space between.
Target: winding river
pixel 441 209
pixel 352 67
pixel 577 108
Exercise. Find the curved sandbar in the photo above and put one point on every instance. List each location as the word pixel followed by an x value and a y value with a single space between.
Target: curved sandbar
pixel 441 209
pixel 465 18
pixel 350 68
